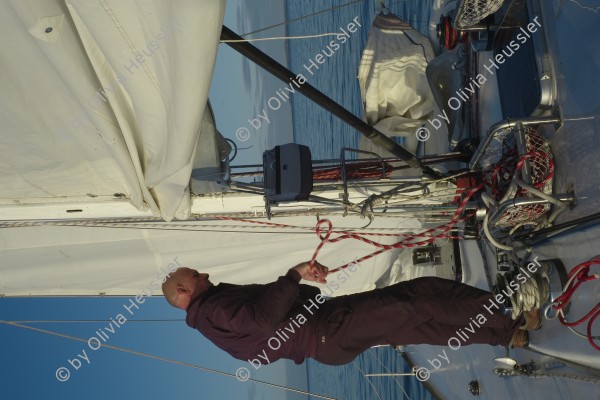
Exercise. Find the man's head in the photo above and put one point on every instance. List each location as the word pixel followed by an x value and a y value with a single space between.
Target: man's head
pixel 183 285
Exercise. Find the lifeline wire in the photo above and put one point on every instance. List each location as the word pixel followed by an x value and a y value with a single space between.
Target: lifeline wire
pixel 168 360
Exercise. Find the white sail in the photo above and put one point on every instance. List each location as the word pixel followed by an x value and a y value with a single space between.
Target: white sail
pixel 102 98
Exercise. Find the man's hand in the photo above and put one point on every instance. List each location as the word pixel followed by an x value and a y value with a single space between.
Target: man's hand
pixel 317 274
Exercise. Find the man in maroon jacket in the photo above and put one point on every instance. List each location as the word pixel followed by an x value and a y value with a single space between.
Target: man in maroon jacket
pixel 285 319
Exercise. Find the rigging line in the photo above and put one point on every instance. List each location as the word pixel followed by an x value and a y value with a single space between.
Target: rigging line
pixel 168 360
pixel 354 363
pixel 302 230
pixel 390 371
pixel 208 230
pixel 280 38
pixel 590 8
pixel 453 192
pixel 301 17
pixel 176 229
pixel 58 321
pixel 242 228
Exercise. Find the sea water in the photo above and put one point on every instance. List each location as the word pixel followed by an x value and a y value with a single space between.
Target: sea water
pixel 337 76
pixel 325 134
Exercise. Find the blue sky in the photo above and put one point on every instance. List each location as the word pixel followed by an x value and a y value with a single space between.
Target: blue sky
pixel 31 359
pixel 240 89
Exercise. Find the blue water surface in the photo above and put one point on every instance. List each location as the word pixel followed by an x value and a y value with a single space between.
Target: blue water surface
pixel 337 76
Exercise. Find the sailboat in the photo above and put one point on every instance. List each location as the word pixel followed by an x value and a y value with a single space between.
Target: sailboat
pixel 125 166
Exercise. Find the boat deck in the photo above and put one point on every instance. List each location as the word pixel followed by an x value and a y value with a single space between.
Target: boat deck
pixel 573 38
pixel 574 43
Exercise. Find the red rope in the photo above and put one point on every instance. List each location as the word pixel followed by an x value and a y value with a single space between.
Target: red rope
pixel 541 154
pixel 580 274
pixel 497 175
pixel 431 235
pixel 359 170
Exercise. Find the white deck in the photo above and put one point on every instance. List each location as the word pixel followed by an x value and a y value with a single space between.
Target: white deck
pixel 574 43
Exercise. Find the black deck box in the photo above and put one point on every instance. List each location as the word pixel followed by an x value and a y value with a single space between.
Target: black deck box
pixel 288 173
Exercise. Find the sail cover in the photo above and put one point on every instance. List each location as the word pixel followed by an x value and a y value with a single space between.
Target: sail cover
pixel 104 97
pixel 396 94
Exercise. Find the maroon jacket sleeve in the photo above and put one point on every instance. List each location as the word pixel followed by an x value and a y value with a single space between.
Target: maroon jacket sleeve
pixel 263 313
pixel 274 304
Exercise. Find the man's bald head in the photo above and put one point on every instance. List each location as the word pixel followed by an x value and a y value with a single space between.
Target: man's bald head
pixel 184 285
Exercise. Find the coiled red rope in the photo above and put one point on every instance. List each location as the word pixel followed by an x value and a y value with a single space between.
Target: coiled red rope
pixel 577 276
pixel 407 242
pixel 362 170
pixel 501 175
